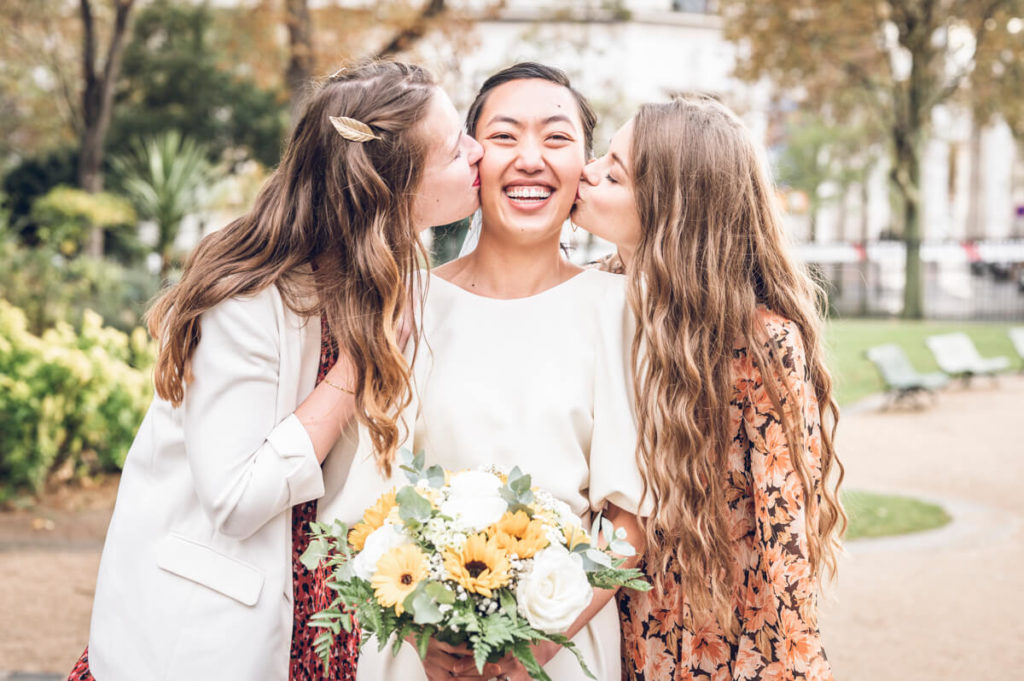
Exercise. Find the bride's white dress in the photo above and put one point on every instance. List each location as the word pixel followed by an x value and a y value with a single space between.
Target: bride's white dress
pixel 541 383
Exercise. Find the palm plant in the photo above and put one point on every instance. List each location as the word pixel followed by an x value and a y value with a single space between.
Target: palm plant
pixel 165 176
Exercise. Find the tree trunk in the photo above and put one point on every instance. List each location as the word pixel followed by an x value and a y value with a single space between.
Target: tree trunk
pixel 975 205
pixel 406 37
pixel 97 102
pixel 865 264
pixel 301 55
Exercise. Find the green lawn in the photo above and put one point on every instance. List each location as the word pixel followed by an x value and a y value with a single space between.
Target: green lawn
pixel 881 515
pixel 855 377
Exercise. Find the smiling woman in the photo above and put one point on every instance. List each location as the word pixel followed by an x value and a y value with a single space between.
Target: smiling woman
pixel 527 364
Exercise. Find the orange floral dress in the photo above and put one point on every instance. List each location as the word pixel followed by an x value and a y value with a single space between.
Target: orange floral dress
pixel 776 600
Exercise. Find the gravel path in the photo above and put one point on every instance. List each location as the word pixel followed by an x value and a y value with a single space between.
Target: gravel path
pixel 947 604
pixel 938 606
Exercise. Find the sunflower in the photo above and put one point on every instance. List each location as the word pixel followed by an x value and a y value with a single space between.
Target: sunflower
pixel 399 570
pixel 518 534
pixel 373 518
pixel 480 567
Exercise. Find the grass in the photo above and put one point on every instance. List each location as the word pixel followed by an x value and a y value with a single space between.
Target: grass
pixel 855 376
pixel 882 515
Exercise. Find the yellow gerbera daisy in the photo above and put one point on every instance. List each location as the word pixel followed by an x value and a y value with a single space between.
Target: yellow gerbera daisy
pixel 518 534
pixel 574 536
pixel 373 518
pixel 399 570
pixel 480 567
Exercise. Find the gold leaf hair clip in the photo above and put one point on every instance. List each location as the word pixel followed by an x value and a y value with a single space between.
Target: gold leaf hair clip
pixel 353 130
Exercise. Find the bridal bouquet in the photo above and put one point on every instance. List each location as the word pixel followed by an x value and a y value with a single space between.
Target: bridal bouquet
pixel 477 558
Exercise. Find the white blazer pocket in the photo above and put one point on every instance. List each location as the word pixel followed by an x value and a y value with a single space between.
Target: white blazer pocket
pixel 203 565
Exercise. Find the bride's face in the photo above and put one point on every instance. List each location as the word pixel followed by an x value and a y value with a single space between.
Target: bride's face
pixel 534 152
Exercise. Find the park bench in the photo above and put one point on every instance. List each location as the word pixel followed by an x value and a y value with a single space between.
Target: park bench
pixel 902 381
pixel 1017 337
pixel 956 355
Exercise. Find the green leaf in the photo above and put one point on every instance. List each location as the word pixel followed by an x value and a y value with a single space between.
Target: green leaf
pixel 314 553
pixel 440 593
pixel 525 656
pixel 423 640
pixel 574 649
pixel 622 547
pixel 508 603
pixel 412 506
pixel 435 476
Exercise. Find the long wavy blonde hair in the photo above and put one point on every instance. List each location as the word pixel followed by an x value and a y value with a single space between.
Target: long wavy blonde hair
pixel 711 252
pixel 332 228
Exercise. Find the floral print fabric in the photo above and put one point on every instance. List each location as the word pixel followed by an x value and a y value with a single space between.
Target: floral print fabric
pixel 776 599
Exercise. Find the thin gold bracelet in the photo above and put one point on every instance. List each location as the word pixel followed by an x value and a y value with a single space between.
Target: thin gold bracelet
pixel 338 387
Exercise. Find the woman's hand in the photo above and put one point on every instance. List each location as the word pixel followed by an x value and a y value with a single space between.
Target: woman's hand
pixel 442 660
pixel 507 668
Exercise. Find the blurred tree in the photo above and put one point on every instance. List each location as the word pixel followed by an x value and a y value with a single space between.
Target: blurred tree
pixel 901 58
pixel 301 53
pixel 99 81
pixel 164 176
pixel 174 78
pixel 66 218
pixel 38 69
pixel 28 180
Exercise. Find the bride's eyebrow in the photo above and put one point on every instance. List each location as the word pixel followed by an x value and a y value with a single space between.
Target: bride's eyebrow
pixel 557 118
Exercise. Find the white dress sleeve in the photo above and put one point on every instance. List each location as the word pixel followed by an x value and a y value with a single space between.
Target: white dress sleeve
pixel 614 472
pixel 246 466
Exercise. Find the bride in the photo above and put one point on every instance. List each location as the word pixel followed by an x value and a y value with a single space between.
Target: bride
pixel 524 357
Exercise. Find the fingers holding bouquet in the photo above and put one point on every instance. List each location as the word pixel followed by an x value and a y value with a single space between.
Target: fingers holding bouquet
pixel 482 572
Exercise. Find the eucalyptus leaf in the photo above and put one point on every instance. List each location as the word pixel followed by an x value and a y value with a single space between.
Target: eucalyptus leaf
pixel 435 476
pixel 599 557
pixel 412 506
pixel 314 553
pixel 623 548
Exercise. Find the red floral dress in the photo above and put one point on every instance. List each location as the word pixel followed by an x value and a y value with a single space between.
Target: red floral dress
pixel 776 602
pixel 309 588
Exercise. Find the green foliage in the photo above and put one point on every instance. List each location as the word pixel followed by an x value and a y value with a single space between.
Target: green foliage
pixel 50 288
pixel 172 80
pixel 164 177
pixel 71 401
pixel 882 515
pixel 65 216
pixel 32 178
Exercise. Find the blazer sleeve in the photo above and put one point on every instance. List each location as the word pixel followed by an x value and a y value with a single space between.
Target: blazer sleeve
pixel 248 465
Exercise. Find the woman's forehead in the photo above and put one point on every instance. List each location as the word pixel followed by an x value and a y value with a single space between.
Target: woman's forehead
pixel 530 101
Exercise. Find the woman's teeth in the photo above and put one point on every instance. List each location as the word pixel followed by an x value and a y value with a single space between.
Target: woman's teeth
pixel 528 193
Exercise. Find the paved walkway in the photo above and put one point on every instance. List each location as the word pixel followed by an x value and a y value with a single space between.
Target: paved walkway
pixel 947 604
pixel 938 606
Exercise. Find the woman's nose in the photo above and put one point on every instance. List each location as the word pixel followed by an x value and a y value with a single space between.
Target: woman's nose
pixel 475 151
pixel 590 173
pixel 529 157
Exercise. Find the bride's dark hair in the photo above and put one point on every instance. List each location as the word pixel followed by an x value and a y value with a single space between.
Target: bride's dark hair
pixel 529 70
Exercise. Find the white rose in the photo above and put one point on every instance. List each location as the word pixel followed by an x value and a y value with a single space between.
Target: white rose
pixel 377 544
pixel 474 500
pixel 554 591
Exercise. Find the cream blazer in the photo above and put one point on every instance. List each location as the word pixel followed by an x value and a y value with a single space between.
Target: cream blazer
pixel 195 581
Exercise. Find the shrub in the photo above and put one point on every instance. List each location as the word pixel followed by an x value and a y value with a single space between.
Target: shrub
pixel 49 287
pixel 65 216
pixel 71 401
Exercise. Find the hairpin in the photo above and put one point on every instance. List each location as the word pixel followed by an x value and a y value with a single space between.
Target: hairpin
pixel 352 130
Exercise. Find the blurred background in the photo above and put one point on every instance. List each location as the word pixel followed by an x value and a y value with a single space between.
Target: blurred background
pixel 895 131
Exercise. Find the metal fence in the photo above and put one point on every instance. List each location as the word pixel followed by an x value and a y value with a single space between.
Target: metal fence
pixel 961 281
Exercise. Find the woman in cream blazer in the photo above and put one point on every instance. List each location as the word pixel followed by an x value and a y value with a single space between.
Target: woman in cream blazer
pixel 195 581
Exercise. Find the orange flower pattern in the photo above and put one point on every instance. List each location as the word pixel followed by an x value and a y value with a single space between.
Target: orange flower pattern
pixel 775 601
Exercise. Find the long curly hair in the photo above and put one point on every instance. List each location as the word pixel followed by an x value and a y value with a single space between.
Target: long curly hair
pixel 332 228
pixel 711 253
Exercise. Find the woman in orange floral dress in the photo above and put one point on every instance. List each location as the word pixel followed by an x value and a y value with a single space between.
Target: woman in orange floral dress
pixel 734 402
